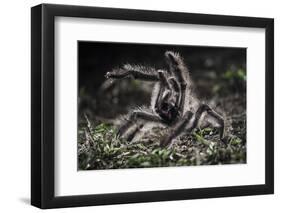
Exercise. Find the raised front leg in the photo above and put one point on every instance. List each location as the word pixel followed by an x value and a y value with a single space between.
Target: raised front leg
pixel 219 119
pixel 133 117
pixel 179 70
pixel 164 85
pixel 177 67
pixel 134 71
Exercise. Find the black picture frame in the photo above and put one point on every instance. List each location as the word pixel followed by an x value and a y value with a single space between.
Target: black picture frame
pixel 43 102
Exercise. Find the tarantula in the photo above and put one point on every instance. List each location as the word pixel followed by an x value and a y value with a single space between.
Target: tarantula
pixel 172 103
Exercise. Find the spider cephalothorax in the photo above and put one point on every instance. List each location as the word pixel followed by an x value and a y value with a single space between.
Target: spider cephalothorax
pixel 171 103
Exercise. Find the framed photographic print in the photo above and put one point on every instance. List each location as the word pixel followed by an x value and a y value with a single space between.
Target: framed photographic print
pixel 140 106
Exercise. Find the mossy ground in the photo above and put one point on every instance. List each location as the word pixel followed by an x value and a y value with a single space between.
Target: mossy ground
pixel 99 148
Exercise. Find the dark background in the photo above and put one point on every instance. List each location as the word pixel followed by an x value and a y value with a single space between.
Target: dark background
pixel 97 58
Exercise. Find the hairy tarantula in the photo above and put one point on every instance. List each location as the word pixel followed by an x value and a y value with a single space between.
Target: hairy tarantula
pixel 172 103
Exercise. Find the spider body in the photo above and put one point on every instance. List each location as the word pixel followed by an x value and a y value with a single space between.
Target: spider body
pixel 172 104
pixel 165 105
pixel 167 112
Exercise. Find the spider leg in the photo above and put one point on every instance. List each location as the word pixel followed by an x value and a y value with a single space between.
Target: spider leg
pixel 131 136
pixel 137 115
pixel 158 98
pixel 174 84
pixel 164 84
pixel 205 108
pixel 178 68
pixel 178 129
pixel 163 79
pixel 176 90
pixel 181 97
pixel 135 71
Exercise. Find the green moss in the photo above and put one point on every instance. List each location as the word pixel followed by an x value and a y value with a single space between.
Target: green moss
pixel 99 148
